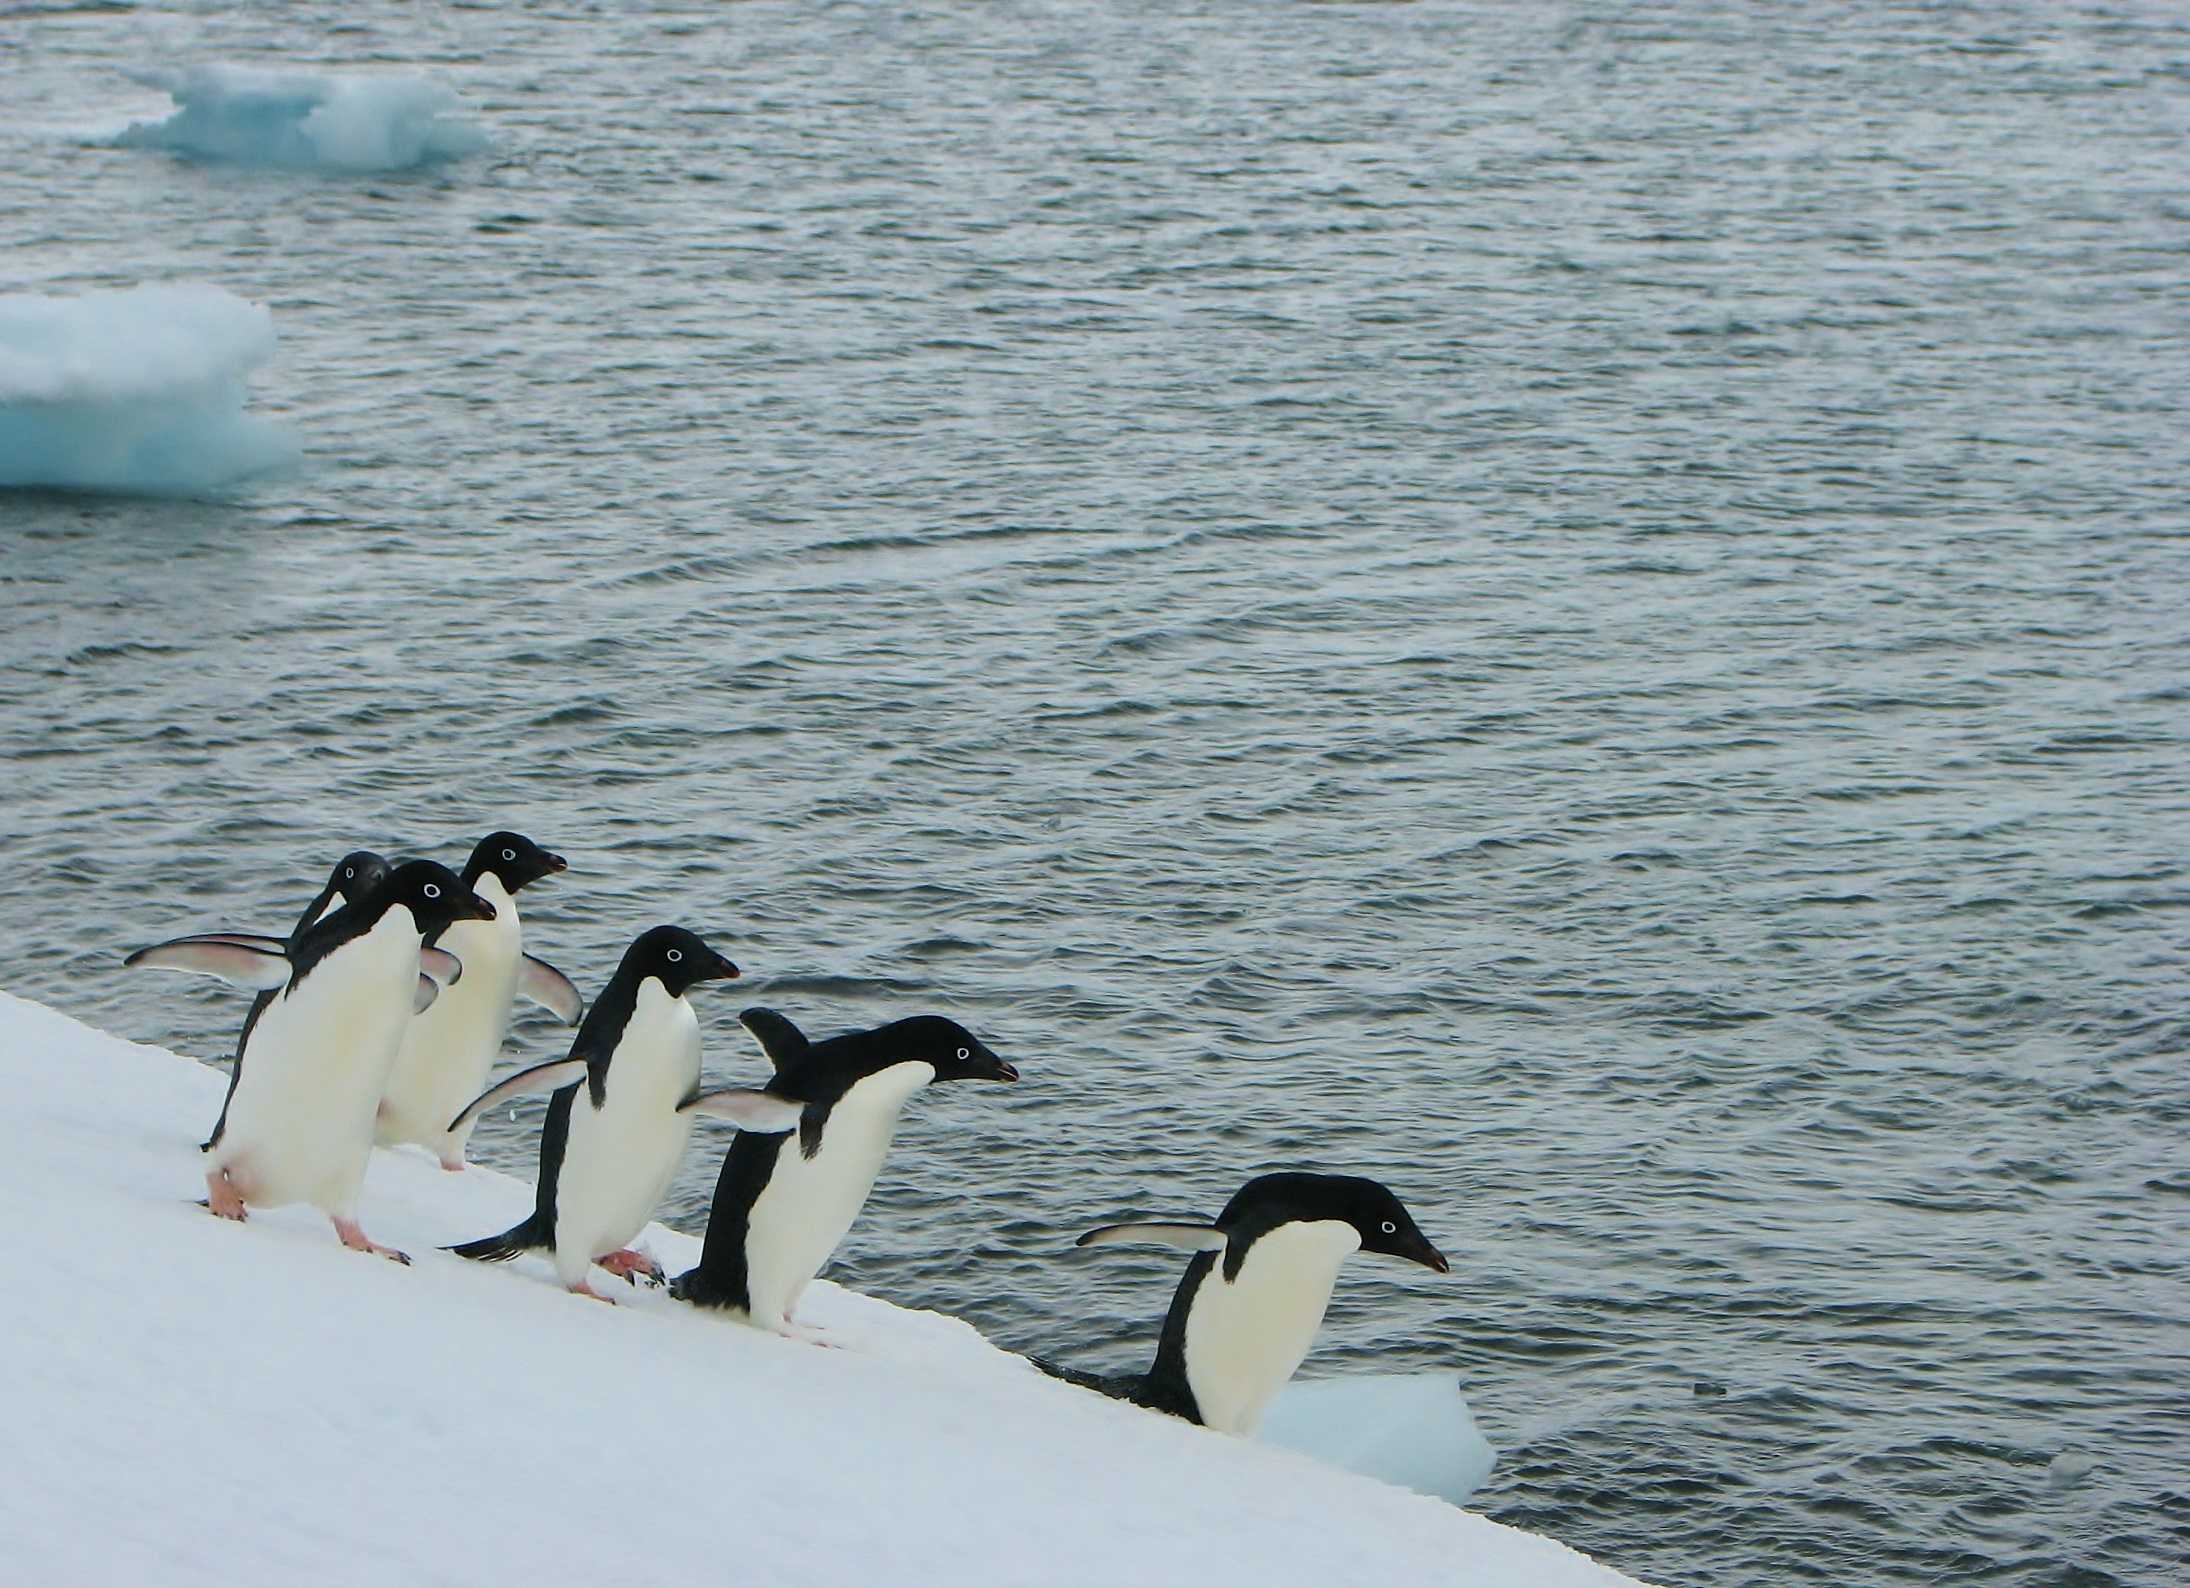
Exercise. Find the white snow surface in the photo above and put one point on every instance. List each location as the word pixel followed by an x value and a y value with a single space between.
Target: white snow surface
pixel 306 120
pixel 197 1402
pixel 138 390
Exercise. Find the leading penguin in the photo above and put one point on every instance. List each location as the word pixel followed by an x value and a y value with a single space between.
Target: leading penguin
pixel 300 1118
pixel 353 875
pixel 624 1103
pixel 1252 1299
pixel 782 1202
pixel 449 1049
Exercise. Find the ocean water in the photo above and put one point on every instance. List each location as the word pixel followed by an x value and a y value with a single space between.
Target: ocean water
pixel 1579 608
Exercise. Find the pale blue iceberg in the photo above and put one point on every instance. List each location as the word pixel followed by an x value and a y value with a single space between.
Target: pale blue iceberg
pixel 314 121
pixel 138 391
pixel 1412 1429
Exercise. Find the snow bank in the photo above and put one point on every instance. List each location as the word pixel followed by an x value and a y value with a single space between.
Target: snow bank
pixel 138 391
pixel 314 121
pixel 208 1403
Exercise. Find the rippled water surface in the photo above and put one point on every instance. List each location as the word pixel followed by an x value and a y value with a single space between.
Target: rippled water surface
pixel 1578 608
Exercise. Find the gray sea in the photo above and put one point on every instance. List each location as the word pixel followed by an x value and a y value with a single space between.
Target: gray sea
pixel 1580 608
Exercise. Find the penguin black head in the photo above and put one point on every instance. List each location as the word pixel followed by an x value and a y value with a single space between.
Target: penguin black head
pixel 514 860
pixel 1376 1215
pixel 357 874
pixel 433 894
pixel 676 958
pixel 956 1053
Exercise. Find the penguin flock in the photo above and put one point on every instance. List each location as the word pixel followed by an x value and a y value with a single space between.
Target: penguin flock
pixel 380 1017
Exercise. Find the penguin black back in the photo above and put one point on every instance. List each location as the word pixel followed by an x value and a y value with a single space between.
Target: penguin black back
pixel 537 1228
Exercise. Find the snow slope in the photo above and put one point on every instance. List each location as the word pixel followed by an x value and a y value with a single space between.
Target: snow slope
pixel 193 1402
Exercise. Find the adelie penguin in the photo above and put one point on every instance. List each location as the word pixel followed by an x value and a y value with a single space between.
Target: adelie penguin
pixel 299 1122
pixel 623 1108
pixel 1250 1303
pixel 449 1050
pixel 782 1202
pixel 353 874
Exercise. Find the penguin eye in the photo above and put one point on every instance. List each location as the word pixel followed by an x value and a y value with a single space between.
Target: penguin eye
pixel 1390 1228
pixel 676 955
pixel 349 871
pixel 963 1055
pixel 509 854
pixel 433 890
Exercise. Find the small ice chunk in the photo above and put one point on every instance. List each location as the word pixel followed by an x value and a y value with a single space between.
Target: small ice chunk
pixel 2067 1468
pixel 314 121
pixel 1412 1429
pixel 137 391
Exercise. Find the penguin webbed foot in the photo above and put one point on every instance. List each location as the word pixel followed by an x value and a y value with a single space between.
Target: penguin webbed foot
pixel 583 1289
pixel 806 1334
pixel 222 1199
pixel 347 1231
pixel 630 1266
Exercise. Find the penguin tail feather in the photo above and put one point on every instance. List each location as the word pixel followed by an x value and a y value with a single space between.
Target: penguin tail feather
pixel 512 1242
pixel 1118 1386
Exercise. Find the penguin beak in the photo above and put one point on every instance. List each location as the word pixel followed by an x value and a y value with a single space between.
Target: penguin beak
pixel 555 863
pixel 1005 1072
pixel 1430 1257
pixel 723 970
pixel 475 908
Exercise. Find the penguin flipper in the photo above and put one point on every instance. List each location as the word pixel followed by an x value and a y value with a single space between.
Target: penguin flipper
pixel 1167 1232
pixel 428 991
pixel 549 1077
pixel 441 965
pixel 548 987
pixel 246 963
pixel 257 940
pixel 761 1112
pixel 779 1039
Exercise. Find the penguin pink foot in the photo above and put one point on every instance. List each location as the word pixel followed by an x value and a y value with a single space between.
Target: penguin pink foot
pixel 222 1196
pixel 583 1289
pixel 453 1165
pixel 627 1265
pixel 357 1241
pixel 806 1334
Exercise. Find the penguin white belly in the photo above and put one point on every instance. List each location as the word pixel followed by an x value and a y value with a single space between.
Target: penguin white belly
pixel 808 1203
pixel 300 1124
pixel 448 1051
pixel 619 1158
pixel 1245 1336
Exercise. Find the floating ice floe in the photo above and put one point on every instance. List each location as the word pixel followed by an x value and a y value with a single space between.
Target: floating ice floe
pixel 267 1406
pixel 138 391
pixel 313 121
pixel 1412 1429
